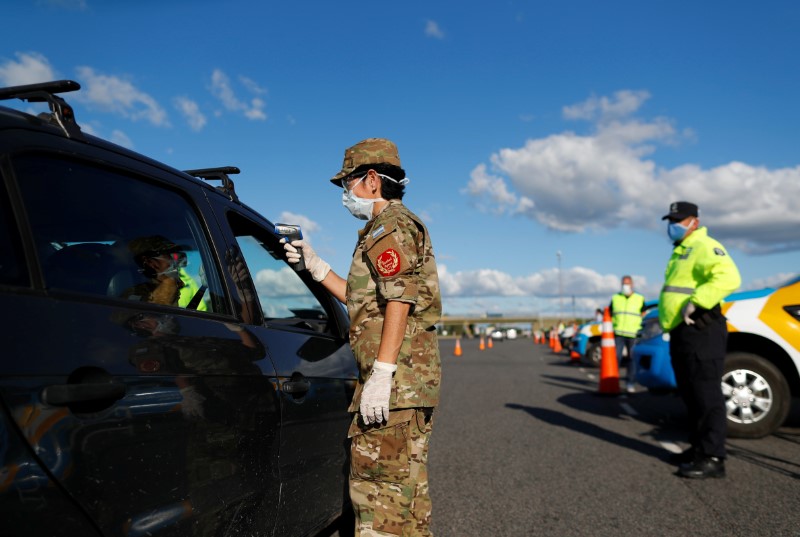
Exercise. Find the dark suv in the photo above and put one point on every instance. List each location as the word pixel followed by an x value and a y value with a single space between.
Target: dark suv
pixel 204 396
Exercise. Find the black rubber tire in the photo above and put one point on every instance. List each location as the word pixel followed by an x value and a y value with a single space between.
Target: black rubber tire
pixel 776 390
pixel 593 354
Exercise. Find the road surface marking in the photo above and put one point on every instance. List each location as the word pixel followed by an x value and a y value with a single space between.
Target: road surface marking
pixel 628 409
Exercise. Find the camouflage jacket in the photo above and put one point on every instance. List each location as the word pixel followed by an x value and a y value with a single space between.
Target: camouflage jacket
pixel 394 260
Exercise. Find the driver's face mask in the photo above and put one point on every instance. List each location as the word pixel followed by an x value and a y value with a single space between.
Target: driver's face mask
pixel 175 260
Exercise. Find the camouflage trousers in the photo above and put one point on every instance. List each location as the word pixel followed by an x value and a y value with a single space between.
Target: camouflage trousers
pixel 389 476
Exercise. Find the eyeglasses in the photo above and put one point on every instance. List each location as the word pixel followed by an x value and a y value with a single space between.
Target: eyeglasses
pixel 348 183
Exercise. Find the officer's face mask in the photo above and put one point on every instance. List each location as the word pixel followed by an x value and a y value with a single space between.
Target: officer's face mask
pixel 627 289
pixel 361 208
pixel 677 232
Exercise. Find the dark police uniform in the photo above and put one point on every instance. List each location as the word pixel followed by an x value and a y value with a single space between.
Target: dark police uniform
pixel 701 271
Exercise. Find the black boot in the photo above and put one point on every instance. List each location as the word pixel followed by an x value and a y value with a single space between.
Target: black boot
pixel 703 467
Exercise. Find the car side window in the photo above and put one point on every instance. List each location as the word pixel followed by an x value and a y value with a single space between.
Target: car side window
pixel 284 297
pixel 99 231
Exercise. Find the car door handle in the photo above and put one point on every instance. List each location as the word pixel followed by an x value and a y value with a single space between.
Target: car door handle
pixel 296 387
pixel 69 394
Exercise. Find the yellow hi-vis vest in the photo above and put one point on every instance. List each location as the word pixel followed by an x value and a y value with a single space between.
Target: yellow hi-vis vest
pixel 188 291
pixel 699 270
pixel 627 314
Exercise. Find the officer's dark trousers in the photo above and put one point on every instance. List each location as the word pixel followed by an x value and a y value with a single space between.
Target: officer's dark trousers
pixel 698 357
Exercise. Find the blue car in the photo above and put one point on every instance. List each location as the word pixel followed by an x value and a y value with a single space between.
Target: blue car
pixel 651 354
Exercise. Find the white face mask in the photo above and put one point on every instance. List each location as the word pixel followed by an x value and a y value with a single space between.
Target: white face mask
pixel 361 208
pixel 627 289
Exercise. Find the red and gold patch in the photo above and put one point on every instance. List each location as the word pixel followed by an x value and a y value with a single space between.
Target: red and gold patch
pixel 388 263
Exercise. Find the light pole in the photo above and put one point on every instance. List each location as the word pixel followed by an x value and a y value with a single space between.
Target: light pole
pixel 560 287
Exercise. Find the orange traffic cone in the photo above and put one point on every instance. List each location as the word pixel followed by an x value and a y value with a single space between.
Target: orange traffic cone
pixel 482 346
pixel 552 339
pixel 489 342
pixel 457 352
pixel 609 370
pixel 557 345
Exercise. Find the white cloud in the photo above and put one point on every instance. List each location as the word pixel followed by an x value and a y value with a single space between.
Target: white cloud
pixel 120 138
pixel 432 30
pixel 222 90
pixel 279 283
pixel 492 194
pixel 119 96
pixel 770 281
pixel 623 104
pixel 252 85
pixel 307 225
pixel 477 292
pixel 572 182
pixel 30 68
pixel 483 282
pixel 191 111
pixel 575 281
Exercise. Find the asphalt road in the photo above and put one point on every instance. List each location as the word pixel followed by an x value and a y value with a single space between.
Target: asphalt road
pixel 523 445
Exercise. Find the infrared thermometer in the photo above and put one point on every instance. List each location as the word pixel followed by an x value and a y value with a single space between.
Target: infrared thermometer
pixel 292 233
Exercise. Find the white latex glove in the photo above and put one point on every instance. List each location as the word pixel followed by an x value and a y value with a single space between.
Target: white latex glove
pixel 316 266
pixel 687 310
pixel 377 392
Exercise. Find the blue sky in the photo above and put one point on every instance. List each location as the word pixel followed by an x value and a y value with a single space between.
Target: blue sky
pixel 527 128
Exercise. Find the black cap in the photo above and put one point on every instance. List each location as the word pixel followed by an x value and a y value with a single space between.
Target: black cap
pixel 678 210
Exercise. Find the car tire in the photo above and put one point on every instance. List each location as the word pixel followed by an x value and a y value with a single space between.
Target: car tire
pixel 594 354
pixel 748 379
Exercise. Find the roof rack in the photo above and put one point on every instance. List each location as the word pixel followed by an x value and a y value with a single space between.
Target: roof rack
pixel 61 113
pixel 219 174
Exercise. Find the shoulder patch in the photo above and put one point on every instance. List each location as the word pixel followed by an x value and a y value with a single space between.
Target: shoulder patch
pixel 386 254
pixel 719 251
pixel 388 262
pixel 378 232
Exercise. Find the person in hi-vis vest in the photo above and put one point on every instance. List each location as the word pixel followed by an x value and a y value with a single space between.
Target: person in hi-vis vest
pixel 626 315
pixel 699 274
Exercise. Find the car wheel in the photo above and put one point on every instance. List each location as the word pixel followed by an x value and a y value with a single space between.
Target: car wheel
pixel 756 394
pixel 594 354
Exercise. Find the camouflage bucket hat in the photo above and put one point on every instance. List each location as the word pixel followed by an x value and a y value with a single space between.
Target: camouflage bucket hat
pixel 154 243
pixel 369 151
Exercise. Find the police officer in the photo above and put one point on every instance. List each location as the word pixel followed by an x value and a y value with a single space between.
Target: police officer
pixel 392 297
pixel 626 314
pixel 699 275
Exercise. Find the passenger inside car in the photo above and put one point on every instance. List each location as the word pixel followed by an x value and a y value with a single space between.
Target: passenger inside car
pixel 162 261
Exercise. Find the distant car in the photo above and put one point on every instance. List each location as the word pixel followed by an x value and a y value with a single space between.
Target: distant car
pixel 762 368
pixel 497 335
pixel 566 335
pixel 511 333
pixel 585 343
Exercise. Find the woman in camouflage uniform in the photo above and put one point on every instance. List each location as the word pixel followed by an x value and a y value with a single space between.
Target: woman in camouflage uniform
pixel 392 297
